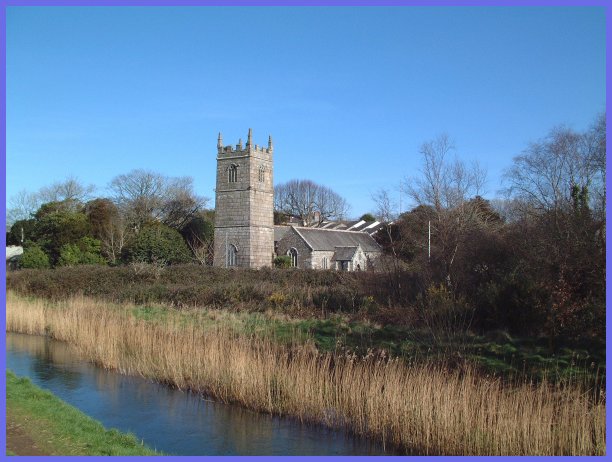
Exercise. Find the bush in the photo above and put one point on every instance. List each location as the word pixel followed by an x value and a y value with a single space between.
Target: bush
pixel 282 261
pixel 34 257
pixel 85 252
pixel 445 316
pixel 157 244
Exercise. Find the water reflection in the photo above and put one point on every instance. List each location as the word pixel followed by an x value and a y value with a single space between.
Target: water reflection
pixel 169 420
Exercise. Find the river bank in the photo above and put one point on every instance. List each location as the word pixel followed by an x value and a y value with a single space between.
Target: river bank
pixel 352 312
pixel 425 410
pixel 40 424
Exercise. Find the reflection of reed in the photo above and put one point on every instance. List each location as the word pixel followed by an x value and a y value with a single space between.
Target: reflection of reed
pixel 422 409
pixel 44 351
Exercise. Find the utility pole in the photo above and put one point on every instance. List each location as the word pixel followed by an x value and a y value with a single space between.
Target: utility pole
pixel 429 241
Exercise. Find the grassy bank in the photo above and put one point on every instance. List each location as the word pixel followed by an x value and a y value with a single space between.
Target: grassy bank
pixel 38 423
pixel 423 409
pixel 496 353
pixel 353 312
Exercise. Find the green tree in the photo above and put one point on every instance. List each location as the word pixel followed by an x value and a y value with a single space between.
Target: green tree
pixel 368 217
pixel 57 226
pixel 34 257
pixel 85 252
pixel 21 232
pixel 157 243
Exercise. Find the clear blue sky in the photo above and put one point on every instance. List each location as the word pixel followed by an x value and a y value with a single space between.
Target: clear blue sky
pixel 348 94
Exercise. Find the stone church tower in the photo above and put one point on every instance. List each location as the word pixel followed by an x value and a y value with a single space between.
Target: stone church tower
pixel 244 205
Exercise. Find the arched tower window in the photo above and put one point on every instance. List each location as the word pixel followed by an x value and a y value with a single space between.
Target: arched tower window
pixel 232 173
pixel 293 253
pixel 262 173
pixel 232 252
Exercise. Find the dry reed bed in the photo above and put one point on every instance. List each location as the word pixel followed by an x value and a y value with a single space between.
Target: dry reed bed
pixel 421 409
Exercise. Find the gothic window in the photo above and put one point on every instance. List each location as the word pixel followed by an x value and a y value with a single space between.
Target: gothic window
pixel 292 252
pixel 324 263
pixel 262 174
pixel 232 173
pixel 231 255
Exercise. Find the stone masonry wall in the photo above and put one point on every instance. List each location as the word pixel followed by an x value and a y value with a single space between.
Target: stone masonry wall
pixel 317 259
pixel 244 210
pixel 292 239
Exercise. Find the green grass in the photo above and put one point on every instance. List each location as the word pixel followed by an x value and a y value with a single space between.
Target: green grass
pixel 60 429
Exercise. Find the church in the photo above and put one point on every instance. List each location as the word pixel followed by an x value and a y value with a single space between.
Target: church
pixel 245 234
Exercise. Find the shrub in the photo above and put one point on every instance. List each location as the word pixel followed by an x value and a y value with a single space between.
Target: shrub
pixel 282 261
pixel 157 243
pixel 277 299
pixel 445 316
pixel 34 257
pixel 85 252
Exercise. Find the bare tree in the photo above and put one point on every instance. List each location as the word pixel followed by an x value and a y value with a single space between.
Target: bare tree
pixel 447 187
pixel 386 211
pixel 594 144
pixel 144 195
pixel 309 201
pixel 181 202
pixel 22 207
pixel 444 184
pixel 69 190
pixel 201 248
pixel 107 225
pixel 543 176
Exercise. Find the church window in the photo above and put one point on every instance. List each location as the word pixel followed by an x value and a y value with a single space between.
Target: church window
pixel 232 173
pixel 262 174
pixel 324 263
pixel 294 256
pixel 231 255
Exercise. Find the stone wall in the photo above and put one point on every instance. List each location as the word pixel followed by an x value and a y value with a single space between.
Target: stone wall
pixel 291 239
pixel 317 259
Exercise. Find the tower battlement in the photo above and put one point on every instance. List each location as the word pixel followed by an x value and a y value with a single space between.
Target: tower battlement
pixel 240 150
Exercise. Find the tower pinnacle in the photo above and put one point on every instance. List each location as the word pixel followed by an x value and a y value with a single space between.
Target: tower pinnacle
pixel 249 138
pixel 270 142
pixel 220 141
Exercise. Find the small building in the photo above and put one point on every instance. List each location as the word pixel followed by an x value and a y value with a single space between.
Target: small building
pixel 319 248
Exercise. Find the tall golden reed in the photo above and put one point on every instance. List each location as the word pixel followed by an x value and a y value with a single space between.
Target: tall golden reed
pixel 423 410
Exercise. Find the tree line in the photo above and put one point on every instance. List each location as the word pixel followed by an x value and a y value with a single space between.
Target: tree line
pixel 147 218
pixel 531 261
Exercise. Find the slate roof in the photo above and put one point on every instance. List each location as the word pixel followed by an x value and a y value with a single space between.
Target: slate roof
pixel 279 232
pixel 345 253
pixel 326 239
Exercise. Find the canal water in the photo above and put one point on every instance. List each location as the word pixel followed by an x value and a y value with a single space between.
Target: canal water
pixel 169 420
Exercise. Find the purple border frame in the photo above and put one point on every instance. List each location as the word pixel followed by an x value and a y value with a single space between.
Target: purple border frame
pixel 305 3
pixel 457 3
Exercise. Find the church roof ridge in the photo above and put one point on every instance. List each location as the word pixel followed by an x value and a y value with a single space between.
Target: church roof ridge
pixel 330 229
pixel 302 236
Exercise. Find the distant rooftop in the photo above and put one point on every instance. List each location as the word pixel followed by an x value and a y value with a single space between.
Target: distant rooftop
pixel 329 239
